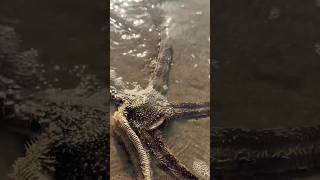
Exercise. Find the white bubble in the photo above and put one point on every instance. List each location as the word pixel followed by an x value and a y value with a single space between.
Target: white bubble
pixel 56 67
pixel 274 13
pixel 138 22
pixel 165 87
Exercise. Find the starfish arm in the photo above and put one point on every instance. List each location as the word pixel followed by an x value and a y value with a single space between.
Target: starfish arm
pixel 165 159
pixel 190 110
pixel 160 77
pixel 269 151
pixel 281 161
pixel 232 137
pixel 133 145
pixel 191 105
pixel 36 164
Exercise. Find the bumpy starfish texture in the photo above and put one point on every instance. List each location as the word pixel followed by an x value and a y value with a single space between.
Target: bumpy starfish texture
pixel 68 131
pixel 142 111
pixel 237 153
pixel 73 138
pixel 276 153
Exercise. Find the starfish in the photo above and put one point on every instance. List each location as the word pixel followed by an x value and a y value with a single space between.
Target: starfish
pixel 140 114
pixel 282 153
pixel 72 136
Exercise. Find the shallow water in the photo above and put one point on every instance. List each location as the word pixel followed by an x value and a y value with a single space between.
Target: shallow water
pixel 135 28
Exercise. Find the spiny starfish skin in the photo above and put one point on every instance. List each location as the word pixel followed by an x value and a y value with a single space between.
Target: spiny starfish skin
pixel 283 153
pixel 71 145
pixel 141 114
pixel 68 138
pixel 124 131
pixel 237 153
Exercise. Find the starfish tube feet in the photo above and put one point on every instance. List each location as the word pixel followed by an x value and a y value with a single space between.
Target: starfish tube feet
pixel 133 145
pixel 165 159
